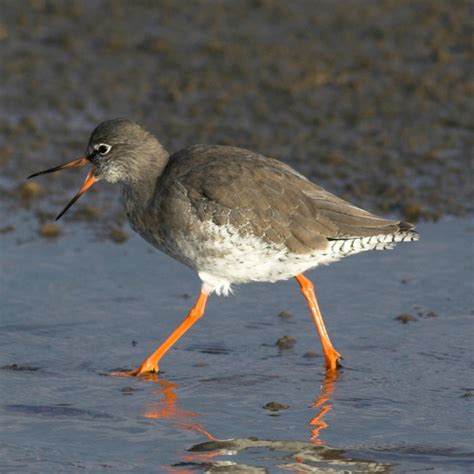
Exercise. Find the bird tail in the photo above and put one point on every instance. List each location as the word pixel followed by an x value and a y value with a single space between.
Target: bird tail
pixel 381 241
pixel 406 233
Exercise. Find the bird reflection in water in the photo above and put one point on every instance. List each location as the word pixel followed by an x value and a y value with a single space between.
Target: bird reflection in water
pixel 167 407
pixel 323 402
pixel 167 404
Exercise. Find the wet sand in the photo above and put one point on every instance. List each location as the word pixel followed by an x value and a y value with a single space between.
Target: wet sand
pixel 371 99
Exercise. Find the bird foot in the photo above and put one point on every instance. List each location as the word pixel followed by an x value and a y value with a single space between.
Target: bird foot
pixel 146 369
pixel 332 359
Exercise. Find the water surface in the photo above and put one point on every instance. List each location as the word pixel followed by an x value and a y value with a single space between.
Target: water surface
pixel 75 308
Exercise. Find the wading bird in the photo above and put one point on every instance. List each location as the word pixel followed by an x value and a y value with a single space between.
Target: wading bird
pixel 232 215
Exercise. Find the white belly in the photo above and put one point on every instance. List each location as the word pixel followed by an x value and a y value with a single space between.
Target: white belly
pixel 222 256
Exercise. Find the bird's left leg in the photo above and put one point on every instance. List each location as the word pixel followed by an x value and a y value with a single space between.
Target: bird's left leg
pixel 150 364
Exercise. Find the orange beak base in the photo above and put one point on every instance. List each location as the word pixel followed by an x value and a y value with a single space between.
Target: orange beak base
pixel 90 180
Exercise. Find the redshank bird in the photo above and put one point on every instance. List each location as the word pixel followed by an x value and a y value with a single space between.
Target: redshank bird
pixel 232 215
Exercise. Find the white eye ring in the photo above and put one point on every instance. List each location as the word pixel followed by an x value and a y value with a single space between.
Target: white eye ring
pixel 102 148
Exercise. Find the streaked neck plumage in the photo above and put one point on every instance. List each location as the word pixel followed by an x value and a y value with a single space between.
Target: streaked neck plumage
pixel 140 185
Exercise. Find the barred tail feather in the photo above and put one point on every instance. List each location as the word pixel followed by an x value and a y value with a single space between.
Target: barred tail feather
pixel 345 247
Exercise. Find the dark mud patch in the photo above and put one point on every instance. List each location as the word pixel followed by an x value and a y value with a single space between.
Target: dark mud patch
pixel 20 368
pixel 128 390
pixel 311 355
pixel 369 99
pixel 240 380
pixel 216 349
pixel 55 411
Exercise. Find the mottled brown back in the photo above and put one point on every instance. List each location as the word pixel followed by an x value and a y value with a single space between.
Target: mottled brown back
pixel 263 197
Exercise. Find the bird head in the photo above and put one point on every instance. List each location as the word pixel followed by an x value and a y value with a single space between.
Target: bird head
pixel 117 149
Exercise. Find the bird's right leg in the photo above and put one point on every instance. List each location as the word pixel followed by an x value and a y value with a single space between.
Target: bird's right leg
pixel 150 364
pixel 331 356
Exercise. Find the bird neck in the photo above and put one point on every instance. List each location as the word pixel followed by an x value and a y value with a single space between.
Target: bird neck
pixel 139 189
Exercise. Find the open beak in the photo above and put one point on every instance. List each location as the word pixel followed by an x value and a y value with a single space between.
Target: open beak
pixel 90 179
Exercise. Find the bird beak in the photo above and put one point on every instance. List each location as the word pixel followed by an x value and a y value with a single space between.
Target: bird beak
pixel 90 179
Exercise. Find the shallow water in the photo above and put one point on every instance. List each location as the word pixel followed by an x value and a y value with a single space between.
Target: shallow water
pixel 75 308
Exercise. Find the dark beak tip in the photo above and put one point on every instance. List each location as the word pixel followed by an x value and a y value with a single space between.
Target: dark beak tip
pixel 70 164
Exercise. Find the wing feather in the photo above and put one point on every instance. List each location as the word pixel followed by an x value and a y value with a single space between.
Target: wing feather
pixel 268 199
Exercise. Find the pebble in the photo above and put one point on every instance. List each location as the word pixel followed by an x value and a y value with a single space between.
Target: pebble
pixel 89 212
pixel 128 390
pixel 7 229
pixel 405 318
pixel 118 236
pixel 286 342
pixel 276 406
pixel 30 190
pixel 285 315
pixel 50 230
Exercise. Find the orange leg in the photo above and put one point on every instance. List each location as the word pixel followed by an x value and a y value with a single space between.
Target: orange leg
pixel 151 363
pixel 331 356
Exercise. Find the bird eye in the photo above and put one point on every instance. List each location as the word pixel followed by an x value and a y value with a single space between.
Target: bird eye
pixel 103 148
